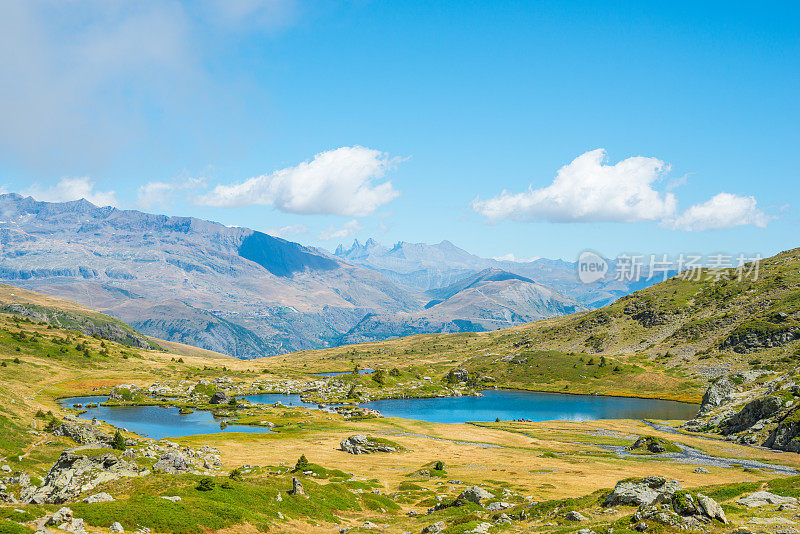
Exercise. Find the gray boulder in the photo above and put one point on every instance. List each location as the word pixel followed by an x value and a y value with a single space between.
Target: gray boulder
pixel 475 494
pixel 763 498
pixel 575 516
pixel 297 487
pixel 362 444
pixel 116 528
pixel 172 462
pixel 711 508
pixel 642 492
pixel 82 433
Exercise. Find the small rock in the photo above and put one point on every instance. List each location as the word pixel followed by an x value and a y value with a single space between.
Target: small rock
pixel 174 498
pixel 702 470
pixel 439 526
pixel 116 527
pixel 99 497
pixel 219 398
pixel 575 516
pixel 172 462
pixel 497 506
pixel 5 469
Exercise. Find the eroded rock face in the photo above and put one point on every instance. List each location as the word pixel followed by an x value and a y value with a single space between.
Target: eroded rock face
pixel 82 433
pixel 75 473
pixel 642 492
pixel 750 414
pixel 172 462
pixel 361 444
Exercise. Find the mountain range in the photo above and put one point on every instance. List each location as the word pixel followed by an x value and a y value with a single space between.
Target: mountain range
pixel 248 294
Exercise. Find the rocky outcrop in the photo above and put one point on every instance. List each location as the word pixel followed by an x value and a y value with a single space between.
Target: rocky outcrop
pixel 716 394
pixel 297 487
pixel 173 462
pixel 642 492
pixel 82 433
pixel 75 473
pixel 362 444
pixel 751 413
pixel 786 434
pixel 753 341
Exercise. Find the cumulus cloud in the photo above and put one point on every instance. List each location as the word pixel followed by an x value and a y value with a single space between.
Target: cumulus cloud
pixel 161 193
pixel 73 189
pixel 346 230
pixel 724 210
pixel 287 231
pixel 589 190
pixel 344 181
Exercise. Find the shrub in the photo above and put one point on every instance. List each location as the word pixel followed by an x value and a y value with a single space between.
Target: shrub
pixel 235 474
pixel 205 484
pixel 379 376
pixel 118 443
pixel 439 465
pixel 302 463
pixel 394 372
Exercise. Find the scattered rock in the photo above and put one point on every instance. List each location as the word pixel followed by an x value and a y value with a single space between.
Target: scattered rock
pixel 497 506
pixel 702 470
pixel 173 498
pixel 5 469
pixel 575 516
pixel 116 527
pixel 99 497
pixel 643 492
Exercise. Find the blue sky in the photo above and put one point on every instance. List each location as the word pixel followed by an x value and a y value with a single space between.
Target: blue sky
pixel 419 117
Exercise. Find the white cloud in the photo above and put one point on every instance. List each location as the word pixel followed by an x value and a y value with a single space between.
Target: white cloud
pixel 724 210
pixel 346 230
pixel 589 190
pixel 287 231
pixel 161 193
pixel 337 182
pixel 73 189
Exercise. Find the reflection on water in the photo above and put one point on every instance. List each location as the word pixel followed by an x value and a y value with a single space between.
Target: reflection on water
pixel 154 421
pixel 508 405
pixel 157 422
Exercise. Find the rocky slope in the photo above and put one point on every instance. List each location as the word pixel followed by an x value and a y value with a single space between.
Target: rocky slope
pixel 235 290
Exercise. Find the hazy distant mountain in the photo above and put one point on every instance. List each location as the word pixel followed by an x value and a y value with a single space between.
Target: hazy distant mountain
pixel 421 266
pixel 487 300
pixel 416 265
pixel 248 294
pixel 232 290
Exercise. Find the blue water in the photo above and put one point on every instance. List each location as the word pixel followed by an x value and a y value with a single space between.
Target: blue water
pixel 510 405
pixel 157 422
pixel 272 398
pixel 154 421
